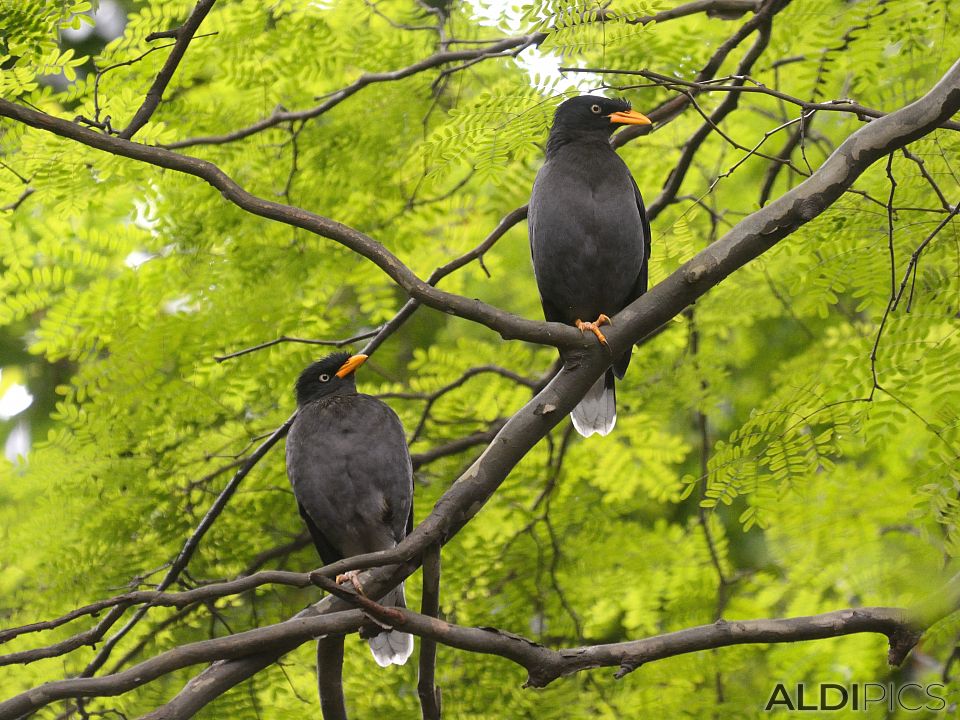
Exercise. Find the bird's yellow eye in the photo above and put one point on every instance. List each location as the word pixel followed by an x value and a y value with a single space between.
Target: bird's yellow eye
pixel 595 109
pixel 324 377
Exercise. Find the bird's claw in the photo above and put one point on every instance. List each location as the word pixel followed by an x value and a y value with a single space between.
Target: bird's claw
pixel 354 578
pixel 594 327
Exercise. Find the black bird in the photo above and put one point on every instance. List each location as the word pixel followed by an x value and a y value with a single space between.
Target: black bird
pixel 350 468
pixel 589 235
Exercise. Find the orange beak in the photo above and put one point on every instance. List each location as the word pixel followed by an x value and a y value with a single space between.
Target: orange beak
pixel 352 363
pixel 630 117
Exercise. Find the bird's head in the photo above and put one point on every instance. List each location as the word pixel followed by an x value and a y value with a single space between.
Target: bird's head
pixel 593 115
pixel 328 376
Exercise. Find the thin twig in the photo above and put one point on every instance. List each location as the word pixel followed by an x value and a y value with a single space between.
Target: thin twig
pixel 289 338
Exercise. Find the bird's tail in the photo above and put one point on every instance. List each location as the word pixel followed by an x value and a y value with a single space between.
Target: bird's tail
pixel 392 647
pixel 597 412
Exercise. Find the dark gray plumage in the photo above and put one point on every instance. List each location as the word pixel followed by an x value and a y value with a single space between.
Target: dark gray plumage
pixel 350 468
pixel 589 235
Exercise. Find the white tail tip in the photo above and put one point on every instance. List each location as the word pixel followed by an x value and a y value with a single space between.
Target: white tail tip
pixel 597 412
pixel 391 647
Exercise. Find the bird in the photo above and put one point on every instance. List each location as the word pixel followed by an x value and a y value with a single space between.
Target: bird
pixel 349 465
pixel 589 236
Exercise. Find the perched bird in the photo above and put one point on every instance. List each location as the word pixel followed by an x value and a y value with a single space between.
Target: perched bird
pixel 350 468
pixel 589 235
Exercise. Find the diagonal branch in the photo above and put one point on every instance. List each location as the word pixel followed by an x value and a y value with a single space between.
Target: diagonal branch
pixel 183 34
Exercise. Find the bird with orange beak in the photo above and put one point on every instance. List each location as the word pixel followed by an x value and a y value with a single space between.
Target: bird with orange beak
pixel 589 236
pixel 348 463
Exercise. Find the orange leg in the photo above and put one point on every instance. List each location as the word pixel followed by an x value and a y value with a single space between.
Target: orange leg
pixel 354 577
pixel 594 327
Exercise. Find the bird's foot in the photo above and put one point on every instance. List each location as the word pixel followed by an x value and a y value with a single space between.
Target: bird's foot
pixel 594 327
pixel 354 577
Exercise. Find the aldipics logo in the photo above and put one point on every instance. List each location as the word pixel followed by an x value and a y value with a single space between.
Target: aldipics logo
pixel 857 696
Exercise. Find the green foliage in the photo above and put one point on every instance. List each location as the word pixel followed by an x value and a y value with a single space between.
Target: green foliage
pixel 829 474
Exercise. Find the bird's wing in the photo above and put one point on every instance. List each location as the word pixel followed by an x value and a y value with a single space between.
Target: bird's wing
pixel 539 252
pixel 621 364
pixel 328 553
pixel 394 466
pixel 641 285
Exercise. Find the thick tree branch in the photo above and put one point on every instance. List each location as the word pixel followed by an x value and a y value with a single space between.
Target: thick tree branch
pixel 258 640
pixel 427 689
pixel 903 629
pixel 747 240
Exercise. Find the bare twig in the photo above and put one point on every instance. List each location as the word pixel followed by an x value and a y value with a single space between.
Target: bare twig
pixel 944 203
pixel 287 338
pixel 728 105
pixel 840 105
pixel 19 201
pixel 915 258
pixel 786 152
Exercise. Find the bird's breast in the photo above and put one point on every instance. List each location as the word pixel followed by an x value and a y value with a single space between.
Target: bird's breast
pixel 586 234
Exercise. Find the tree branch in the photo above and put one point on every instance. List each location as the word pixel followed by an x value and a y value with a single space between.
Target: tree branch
pixel 183 34
pixel 863 112
pixel 427 689
pixel 744 242
pixel 902 628
pixel 672 186
pixel 491 48
pixel 673 107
